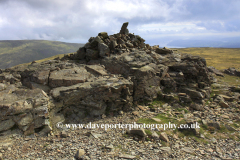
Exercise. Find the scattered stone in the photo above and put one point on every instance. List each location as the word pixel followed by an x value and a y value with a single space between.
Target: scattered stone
pixel 139 132
pixel 142 108
pixel 166 149
pixel 175 136
pixel 95 135
pixel 136 113
pixel 126 156
pixel 182 94
pixel 64 134
pixel 223 104
pixel 104 116
pixel 226 98
pixel 214 124
pixel 2 86
pixel 214 140
pixel 79 154
pixel 121 112
pixel 218 150
pixel 230 128
pixel 157 120
pixel 164 137
pixel 224 116
pixel 204 122
pixel 210 150
pixel 155 135
pixel 188 150
pixel 202 152
pixel 110 146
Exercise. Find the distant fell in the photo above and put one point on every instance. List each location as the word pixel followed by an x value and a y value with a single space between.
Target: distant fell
pixel 226 43
pixel 14 52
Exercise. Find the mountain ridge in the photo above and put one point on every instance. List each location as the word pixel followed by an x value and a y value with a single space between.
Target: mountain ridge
pixel 15 52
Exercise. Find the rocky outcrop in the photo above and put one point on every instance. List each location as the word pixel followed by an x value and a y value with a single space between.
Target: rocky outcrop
pixel 232 71
pixel 24 111
pixel 215 71
pixel 108 75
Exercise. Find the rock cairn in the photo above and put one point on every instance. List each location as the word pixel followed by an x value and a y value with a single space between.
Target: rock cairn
pixel 104 45
pixel 110 74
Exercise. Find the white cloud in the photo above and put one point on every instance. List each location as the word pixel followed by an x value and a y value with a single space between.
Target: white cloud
pixel 78 20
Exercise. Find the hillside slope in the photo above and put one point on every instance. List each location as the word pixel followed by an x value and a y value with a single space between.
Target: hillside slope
pixel 220 58
pixel 14 52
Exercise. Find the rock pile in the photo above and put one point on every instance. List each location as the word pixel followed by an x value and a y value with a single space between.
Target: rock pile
pixel 106 76
pixel 104 45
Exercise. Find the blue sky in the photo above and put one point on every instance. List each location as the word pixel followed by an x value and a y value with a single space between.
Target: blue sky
pixel 157 21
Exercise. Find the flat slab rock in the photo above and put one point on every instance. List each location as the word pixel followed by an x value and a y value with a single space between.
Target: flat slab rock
pixel 114 84
pixel 68 77
pixel 97 69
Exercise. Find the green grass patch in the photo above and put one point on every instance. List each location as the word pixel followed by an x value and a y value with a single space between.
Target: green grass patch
pixel 188 133
pixel 223 129
pixel 164 118
pixel 158 102
pixel 146 121
pixel 182 109
pixel 164 144
pixel 204 127
pixel 148 132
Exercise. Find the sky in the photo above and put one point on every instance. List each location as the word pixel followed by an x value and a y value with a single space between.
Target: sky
pixel 157 21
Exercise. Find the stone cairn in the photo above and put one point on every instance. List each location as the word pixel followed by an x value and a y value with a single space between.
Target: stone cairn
pixel 104 45
pixel 109 74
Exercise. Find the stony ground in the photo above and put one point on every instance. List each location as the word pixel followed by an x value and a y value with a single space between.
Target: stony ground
pixel 116 144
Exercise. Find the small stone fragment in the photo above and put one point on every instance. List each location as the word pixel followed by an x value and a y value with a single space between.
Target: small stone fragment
pixel 110 146
pixel 155 135
pixel 157 120
pixel 223 104
pixel 164 137
pixel 166 149
pixel 64 134
pixel 127 156
pixel 135 113
pixel 79 154
pixel 188 150
pixel 139 132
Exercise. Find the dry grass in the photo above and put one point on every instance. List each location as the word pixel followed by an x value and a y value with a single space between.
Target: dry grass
pixel 228 79
pixel 220 58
